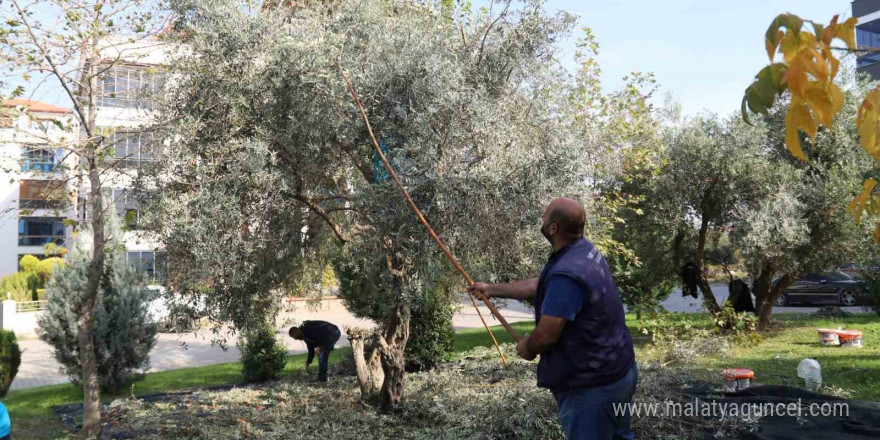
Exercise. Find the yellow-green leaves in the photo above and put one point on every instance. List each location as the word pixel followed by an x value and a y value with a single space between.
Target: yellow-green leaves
pixel 774 35
pixel 863 200
pixel 807 72
pixel 798 117
pixel 868 120
pixel 761 94
pixel 866 202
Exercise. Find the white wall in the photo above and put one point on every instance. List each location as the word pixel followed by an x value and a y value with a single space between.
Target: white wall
pixel 25 324
pixel 8 202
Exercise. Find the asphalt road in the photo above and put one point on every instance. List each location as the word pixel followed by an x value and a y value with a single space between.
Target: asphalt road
pixel 677 303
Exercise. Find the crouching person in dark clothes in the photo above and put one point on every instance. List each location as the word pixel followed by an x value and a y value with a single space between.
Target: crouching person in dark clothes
pixel 320 335
pixel 587 358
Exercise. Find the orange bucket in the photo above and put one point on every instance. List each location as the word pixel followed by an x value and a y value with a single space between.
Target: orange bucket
pixel 737 379
pixel 850 338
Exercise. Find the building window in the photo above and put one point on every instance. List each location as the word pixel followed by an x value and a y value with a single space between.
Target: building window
pixel 127 86
pixel 152 263
pixel 41 159
pixel 41 194
pixel 133 150
pixel 124 202
pixel 868 39
pixel 39 231
pixel 126 207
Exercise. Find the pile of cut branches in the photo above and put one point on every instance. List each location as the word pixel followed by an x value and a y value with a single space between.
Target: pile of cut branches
pixel 474 397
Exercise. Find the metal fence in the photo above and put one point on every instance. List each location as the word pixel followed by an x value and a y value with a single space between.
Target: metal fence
pixel 31 306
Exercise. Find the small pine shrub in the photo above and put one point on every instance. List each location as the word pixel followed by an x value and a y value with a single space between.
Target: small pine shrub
pixel 10 360
pixel 262 356
pixel 124 331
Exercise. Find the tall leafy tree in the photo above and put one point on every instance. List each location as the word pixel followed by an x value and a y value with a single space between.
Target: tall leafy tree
pixel 68 46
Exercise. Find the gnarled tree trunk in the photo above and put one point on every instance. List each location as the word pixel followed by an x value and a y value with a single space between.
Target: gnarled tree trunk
pixel 766 293
pixel 381 373
pixel 393 360
pixel 708 297
pixel 367 368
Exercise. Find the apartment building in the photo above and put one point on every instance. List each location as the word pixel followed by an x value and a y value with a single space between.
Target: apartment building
pixel 35 188
pixel 123 111
pixel 39 190
pixel 868 36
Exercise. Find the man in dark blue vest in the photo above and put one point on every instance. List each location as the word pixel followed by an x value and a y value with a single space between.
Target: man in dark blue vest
pixel 320 336
pixel 587 358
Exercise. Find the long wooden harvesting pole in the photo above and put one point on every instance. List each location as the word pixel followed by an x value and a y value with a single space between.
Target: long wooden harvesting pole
pixel 428 227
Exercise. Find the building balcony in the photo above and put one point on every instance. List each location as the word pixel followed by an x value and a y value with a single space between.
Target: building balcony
pixel 40 159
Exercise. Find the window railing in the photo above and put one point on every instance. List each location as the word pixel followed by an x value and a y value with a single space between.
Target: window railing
pixel 40 240
pixel 39 165
pixel 40 204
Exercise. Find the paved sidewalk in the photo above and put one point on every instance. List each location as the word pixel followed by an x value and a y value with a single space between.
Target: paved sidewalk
pixel 173 351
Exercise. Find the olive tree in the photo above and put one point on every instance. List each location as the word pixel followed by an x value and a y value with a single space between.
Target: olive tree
pixel 785 216
pixel 712 171
pixel 269 172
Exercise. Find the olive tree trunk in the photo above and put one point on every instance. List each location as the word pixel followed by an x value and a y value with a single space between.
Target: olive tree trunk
pixel 379 359
pixel 393 360
pixel 766 293
pixel 368 368
pixel 708 297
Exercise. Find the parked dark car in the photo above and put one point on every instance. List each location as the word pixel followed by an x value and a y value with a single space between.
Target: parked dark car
pixel 857 271
pixel 851 269
pixel 832 287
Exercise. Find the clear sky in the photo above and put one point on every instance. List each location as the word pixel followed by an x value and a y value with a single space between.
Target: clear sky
pixel 706 52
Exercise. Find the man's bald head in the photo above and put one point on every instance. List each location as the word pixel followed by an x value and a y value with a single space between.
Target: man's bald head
pixel 569 217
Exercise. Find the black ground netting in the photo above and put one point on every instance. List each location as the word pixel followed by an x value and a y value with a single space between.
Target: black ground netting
pixel 813 416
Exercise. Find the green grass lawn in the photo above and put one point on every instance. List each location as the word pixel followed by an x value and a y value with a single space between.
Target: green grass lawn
pixel 774 362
